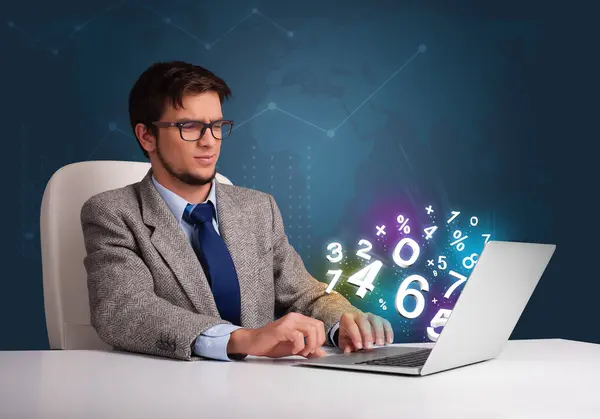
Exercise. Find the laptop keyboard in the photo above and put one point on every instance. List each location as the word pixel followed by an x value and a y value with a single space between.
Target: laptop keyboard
pixel 411 359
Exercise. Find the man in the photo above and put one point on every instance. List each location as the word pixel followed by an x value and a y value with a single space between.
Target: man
pixel 182 266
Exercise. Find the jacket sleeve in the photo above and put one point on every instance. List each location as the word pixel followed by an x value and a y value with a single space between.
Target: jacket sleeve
pixel 295 288
pixel 125 311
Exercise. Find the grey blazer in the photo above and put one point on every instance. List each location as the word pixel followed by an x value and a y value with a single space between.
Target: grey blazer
pixel 148 292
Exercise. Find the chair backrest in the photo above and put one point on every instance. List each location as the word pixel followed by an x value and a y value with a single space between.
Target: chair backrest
pixel 66 297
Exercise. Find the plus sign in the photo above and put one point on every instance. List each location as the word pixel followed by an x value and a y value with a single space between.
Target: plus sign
pixel 434 301
pixel 380 230
pixel 429 262
pixel 429 210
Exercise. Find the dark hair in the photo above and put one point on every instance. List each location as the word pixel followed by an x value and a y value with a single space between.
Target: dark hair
pixel 168 82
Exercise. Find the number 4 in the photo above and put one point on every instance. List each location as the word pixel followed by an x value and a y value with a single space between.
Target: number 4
pixel 365 277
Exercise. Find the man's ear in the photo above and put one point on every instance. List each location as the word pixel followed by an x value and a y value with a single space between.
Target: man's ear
pixel 145 137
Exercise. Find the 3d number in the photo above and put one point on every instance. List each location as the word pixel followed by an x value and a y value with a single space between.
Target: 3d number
pixel 365 277
pixel 403 291
pixel 413 258
pixel 336 275
pixel 442 262
pixel 461 279
pixel 363 252
pixel 439 320
pixel 336 252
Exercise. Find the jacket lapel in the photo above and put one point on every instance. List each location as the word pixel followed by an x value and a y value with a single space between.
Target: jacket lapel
pixel 237 233
pixel 171 242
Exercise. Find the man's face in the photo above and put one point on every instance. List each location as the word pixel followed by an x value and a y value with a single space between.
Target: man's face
pixel 181 158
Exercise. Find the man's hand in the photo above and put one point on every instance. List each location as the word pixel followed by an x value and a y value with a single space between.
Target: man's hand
pixel 360 330
pixel 283 337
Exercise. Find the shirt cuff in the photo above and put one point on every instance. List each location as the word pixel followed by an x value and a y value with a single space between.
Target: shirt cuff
pixel 332 334
pixel 212 343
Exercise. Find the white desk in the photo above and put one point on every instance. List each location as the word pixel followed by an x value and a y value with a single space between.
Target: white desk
pixel 531 379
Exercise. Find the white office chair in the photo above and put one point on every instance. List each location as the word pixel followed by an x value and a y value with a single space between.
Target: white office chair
pixel 66 297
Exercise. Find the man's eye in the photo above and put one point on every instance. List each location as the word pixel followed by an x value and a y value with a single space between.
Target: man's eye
pixel 190 125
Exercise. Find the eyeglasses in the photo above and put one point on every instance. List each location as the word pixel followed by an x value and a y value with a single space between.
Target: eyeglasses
pixel 194 130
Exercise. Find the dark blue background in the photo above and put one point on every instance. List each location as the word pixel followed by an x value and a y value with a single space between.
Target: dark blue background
pixel 494 114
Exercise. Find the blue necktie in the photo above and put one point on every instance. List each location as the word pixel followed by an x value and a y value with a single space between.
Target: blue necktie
pixel 216 260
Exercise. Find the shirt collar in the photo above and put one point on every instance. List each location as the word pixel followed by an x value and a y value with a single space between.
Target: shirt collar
pixel 177 204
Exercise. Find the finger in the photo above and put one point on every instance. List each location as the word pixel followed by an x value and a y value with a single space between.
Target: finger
pixel 318 324
pixel 297 338
pixel 353 332
pixel 345 344
pixel 319 352
pixel 365 330
pixel 348 347
pixel 309 330
pixel 377 329
pixel 320 329
pixel 389 332
pixel 320 333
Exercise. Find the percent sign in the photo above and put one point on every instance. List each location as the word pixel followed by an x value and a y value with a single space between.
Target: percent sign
pixel 460 238
pixel 382 304
pixel 403 224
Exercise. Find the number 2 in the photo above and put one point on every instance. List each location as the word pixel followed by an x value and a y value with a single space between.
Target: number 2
pixel 363 252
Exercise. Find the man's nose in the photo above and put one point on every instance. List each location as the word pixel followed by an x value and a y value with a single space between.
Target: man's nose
pixel 207 139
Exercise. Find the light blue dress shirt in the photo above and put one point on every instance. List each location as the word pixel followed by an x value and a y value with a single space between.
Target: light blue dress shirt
pixel 212 343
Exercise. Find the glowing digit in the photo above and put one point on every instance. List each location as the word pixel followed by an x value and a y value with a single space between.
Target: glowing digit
pixel 429 232
pixel 439 320
pixel 362 252
pixel 403 291
pixel 413 258
pixel 336 275
pixel 365 277
pixel 474 221
pixel 336 252
pixel 442 262
pixel 470 259
pixel 454 215
pixel 487 237
pixel 461 279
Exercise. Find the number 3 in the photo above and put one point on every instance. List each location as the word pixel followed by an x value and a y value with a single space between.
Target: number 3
pixel 336 252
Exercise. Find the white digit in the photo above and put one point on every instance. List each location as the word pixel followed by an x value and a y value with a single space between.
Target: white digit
pixel 487 237
pixel 439 320
pixel 403 291
pixel 336 275
pixel 461 279
pixel 413 258
pixel 454 215
pixel 442 261
pixel 471 259
pixel 474 221
pixel 362 252
pixel 429 232
pixel 336 252
pixel 364 278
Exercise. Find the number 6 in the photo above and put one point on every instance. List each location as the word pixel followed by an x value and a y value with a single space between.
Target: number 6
pixel 403 291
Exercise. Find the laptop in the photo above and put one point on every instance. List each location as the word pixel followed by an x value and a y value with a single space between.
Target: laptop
pixel 478 327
